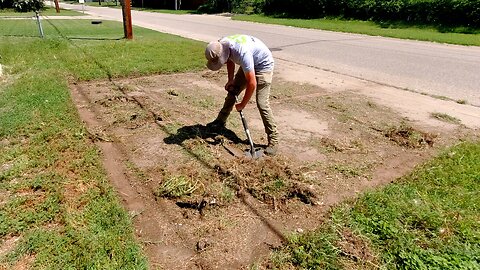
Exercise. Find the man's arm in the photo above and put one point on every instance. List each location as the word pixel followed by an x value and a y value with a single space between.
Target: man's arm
pixel 231 74
pixel 250 88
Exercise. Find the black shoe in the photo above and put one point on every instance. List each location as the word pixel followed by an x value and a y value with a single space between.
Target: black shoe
pixel 216 125
pixel 271 149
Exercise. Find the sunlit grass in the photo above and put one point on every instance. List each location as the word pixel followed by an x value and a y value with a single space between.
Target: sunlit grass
pixel 427 220
pixel 459 36
pixel 55 195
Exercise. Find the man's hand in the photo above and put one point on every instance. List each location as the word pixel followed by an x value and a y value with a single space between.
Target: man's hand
pixel 239 107
pixel 229 86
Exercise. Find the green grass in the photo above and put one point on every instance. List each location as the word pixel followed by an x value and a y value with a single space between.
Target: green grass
pixel 112 4
pixel 48 11
pixel 167 11
pixel 429 219
pixel 51 11
pixel 54 194
pixel 95 4
pixel 446 118
pixel 460 36
pixel 176 187
pixel 76 29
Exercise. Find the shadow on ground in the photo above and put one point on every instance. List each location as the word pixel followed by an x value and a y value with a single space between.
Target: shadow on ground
pixel 213 137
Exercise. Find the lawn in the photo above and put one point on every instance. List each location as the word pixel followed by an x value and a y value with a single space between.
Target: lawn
pixel 57 205
pixel 427 220
pixel 56 202
pixel 48 11
pixel 459 35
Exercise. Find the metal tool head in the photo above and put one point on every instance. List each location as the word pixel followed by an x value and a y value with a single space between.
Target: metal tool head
pixel 256 153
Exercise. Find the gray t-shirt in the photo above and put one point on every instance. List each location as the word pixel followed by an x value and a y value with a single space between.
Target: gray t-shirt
pixel 249 52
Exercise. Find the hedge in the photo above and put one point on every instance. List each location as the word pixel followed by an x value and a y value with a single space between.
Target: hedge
pixel 432 12
pixel 436 12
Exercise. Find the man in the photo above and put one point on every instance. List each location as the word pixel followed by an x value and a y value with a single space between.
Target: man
pixel 254 76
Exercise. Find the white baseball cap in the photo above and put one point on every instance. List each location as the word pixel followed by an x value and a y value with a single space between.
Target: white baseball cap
pixel 217 54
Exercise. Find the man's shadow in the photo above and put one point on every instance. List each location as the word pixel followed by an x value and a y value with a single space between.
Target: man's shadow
pixel 210 135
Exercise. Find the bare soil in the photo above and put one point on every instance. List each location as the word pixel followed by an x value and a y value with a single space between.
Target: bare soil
pixel 336 141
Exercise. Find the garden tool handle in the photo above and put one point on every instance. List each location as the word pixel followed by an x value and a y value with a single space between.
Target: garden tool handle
pixel 247 131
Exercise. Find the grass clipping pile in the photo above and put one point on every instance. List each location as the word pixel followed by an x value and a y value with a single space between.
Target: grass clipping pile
pixel 271 180
pixel 333 145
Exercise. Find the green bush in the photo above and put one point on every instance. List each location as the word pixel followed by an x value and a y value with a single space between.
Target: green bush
pixel 6 4
pixel 248 6
pixel 300 8
pixel 27 5
pixel 216 6
pixel 235 6
pixel 434 12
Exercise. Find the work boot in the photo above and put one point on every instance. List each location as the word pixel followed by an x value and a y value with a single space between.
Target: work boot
pixel 216 125
pixel 271 149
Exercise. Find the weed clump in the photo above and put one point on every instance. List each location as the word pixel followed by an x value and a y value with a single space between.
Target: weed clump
pixel 271 181
pixel 409 137
pixel 176 187
pixel 446 118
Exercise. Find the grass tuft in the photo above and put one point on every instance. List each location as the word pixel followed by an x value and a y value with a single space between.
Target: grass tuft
pixel 446 118
pixel 176 187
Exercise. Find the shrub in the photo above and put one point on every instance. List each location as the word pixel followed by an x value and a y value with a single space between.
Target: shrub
pixel 295 8
pixel 248 6
pixel 27 5
pixel 6 4
pixel 235 6
pixel 216 6
pixel 435 12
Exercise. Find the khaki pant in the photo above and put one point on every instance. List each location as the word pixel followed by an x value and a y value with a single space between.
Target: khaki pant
pixel 264 81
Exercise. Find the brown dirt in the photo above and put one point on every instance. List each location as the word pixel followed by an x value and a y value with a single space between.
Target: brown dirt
pixel 357 251
pixel 334 145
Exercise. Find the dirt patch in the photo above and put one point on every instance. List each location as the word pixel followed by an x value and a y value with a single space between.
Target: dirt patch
pixel 198 203
pixel 357 251
pixel 8 244
pixel 24 263
pixel 407 136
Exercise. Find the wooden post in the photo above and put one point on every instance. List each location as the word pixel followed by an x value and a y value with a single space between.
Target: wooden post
pixel 127 19
pixel 57 7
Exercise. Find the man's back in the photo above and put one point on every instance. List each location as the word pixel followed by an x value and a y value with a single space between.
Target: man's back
pixel 250 53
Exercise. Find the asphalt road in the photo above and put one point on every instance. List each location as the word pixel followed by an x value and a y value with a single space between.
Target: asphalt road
pixel 434 69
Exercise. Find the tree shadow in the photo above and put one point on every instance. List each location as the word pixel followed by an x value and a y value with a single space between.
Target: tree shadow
pixel 211 136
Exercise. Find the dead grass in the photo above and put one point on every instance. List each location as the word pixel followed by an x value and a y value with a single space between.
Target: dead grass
pixel 407 136
pixel 333 146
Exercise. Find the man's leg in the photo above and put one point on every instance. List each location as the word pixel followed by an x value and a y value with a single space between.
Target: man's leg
pixel 264 81
pixel 239 84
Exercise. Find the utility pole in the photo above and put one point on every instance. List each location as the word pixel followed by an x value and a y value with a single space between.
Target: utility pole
pixel 57 7
pixel 127 19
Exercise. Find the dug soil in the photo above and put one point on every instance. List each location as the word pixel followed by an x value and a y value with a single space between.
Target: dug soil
pixel 198 203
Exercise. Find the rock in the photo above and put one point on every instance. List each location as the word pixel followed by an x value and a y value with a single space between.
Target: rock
pixel 202 245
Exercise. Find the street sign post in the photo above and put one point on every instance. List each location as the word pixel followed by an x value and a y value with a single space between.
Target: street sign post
pixel 83 5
